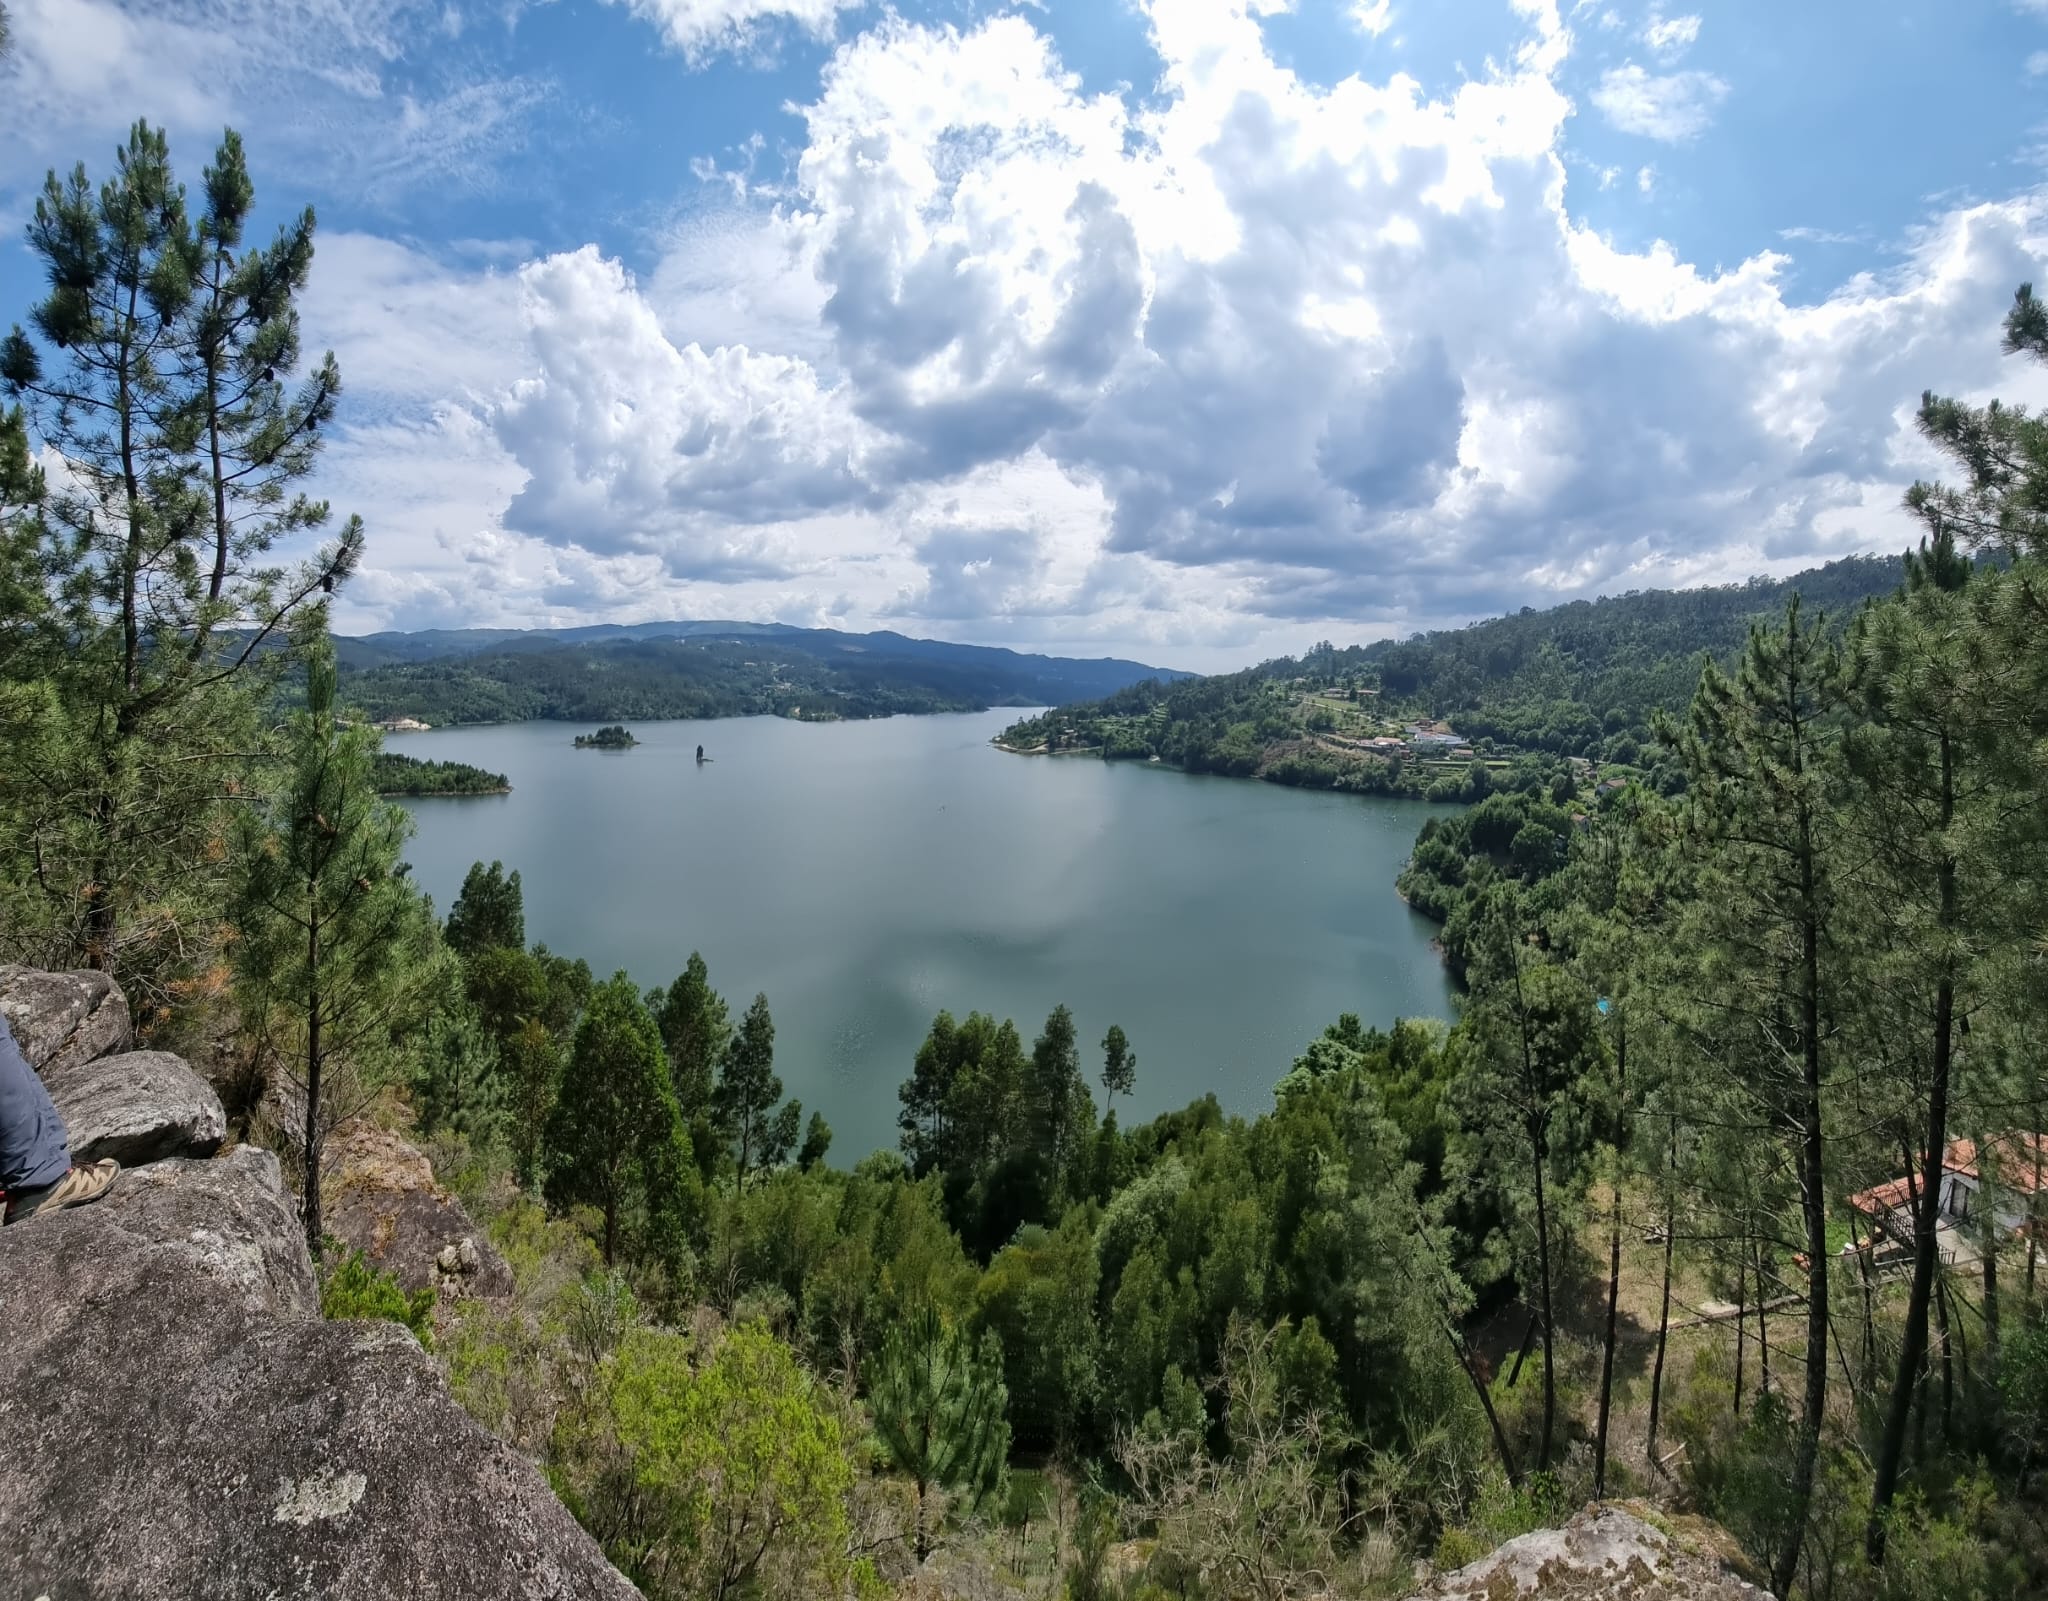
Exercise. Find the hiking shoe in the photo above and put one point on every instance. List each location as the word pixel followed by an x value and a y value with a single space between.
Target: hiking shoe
pixel 76 1188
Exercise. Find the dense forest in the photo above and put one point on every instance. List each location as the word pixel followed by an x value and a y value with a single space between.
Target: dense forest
pixel 1584 680
pixel 393 774
pixel 1723 1190
pixel 690 670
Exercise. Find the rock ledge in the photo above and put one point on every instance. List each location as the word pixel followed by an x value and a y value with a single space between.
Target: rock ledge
pixel 176 1419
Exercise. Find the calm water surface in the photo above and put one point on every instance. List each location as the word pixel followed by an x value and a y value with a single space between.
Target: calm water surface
pixel 865 875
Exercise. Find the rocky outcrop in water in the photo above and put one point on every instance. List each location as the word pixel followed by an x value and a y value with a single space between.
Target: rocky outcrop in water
pixel 177 1421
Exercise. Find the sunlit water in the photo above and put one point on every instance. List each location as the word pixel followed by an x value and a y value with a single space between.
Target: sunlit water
pixel 866 875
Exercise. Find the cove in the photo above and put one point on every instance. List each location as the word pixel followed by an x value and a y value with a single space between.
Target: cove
pixel 867 874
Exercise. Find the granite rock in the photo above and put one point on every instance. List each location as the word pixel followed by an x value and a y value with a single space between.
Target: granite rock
pixel 140 1106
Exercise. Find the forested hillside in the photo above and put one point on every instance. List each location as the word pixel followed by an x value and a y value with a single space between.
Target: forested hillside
pixel 1582 680
pixel 1727 1188
pixel 701 670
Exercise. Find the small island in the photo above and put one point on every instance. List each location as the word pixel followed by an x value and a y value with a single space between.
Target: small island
pixel 410 776
pixel 613 736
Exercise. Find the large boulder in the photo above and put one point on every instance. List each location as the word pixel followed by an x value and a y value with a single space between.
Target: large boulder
pixel 60 1019
pixel 1605 1553
pixel 140 1106
pixel 177 1422
pixel 380 1198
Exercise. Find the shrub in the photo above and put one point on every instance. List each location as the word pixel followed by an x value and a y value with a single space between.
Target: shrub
pixel 354 1289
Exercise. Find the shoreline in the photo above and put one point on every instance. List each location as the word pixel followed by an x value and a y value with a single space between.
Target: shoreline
pixel 441 794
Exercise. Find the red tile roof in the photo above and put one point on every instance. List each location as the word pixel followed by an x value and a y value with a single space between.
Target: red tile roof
pixel 2021 1159
pixel 1881 1199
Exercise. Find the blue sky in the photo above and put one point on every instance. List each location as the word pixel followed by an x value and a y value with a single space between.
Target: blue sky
pixel 1189 329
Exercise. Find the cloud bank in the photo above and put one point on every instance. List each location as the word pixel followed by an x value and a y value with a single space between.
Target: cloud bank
pixel 1202 373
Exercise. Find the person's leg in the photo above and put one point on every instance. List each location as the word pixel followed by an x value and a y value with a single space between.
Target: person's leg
pixel 34 1149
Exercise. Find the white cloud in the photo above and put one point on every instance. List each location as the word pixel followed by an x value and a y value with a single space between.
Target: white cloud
pixel 633 443
pixel 2037 64
pixel 1256 362
pixel 1646 178
pixel 1670 37
pixel 313 72
pixel 702 28
pixel 1672 107
pixel 1372 17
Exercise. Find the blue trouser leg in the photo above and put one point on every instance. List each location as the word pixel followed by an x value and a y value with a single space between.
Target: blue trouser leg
pixel 34 1149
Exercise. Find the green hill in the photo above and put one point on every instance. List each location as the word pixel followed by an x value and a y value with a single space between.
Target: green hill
pixel 702 669
pixel 1579 680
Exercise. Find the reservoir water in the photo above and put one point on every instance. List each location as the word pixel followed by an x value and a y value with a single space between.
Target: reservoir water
pixel 867 874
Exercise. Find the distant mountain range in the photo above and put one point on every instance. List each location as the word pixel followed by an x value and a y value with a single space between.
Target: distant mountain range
pixel 612 671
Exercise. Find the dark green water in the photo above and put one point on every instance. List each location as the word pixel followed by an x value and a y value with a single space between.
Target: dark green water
pixel 865 875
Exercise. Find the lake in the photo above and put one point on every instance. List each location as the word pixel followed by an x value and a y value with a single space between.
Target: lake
pixel 867 874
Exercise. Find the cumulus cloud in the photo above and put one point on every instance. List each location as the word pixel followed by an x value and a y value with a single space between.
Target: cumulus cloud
pixel 1252 362
pixel 635 444
pixel 1673 107
pixel 700 29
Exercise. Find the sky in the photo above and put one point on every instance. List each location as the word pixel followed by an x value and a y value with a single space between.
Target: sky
pixel 1188 330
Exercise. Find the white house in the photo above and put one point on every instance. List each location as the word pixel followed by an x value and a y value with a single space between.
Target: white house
pixel 2014 1165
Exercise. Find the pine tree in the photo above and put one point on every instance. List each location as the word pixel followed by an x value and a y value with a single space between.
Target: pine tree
pixel 489 913
pixel 1534 1047
pixel 530 1069
pixel 616 1136
pixel 334 961
pixel 1760 752
pixel 1931 899
pixel 150 709
pixel 939 1401
pixel 457 1083
pixel 241 333
pixel 744 1105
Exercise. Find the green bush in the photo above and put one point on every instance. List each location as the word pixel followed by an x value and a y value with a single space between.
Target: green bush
pixel 354 1289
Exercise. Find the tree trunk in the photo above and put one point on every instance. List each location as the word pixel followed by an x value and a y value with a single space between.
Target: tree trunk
pixel 1926 1244
pixel 1613 1267
pixel 1763 1330
pixel 1813 1204
pixel 1987 1218
pixel 1741 1323
pixel 1664 1312
pixel 315 1063
pixel 1500 1438
pixel 1607 1357
pixel 218 581
pixel 1528 1345
pixel 1948 1367
pixel 1549 1326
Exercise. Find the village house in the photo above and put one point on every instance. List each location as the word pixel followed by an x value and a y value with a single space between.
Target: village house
pixel 2015 1166
pixel 403 725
